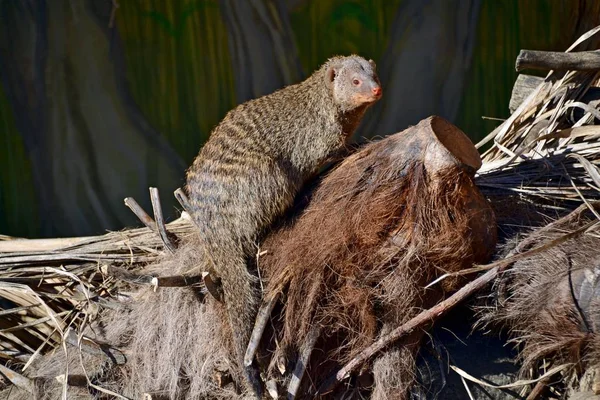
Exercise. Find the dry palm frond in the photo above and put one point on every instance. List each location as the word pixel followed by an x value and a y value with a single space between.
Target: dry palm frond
pixel 548 149
pixel 47 287
pixel 545 150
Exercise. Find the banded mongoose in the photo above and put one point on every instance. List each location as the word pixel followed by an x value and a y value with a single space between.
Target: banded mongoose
pixel 253 165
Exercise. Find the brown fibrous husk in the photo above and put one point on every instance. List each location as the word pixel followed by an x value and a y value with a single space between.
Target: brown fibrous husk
pixel 377 230
pixel 550 306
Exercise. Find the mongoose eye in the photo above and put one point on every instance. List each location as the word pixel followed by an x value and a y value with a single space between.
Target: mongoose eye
pixel 356 82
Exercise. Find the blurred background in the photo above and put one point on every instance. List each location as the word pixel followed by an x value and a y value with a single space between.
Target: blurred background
pixel 101 99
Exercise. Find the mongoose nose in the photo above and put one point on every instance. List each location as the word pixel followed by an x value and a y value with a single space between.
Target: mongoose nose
pixel 376 91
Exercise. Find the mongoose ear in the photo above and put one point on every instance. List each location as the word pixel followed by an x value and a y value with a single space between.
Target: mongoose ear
pixel 373 65
pixel 330 74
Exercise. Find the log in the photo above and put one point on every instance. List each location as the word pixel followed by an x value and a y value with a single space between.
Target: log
pixel 558 61
pixel 525 84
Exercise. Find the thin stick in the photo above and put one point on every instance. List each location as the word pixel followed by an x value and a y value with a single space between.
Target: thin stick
pixel 538 389
pixel 160 222
pixel 426 316
pixel 213 286
pixel 300 368
pixel 558 61
pixel 443 307
pixel 264 312
pixel 517 257
pixel 156 281
pixel 140 213
pixel 182 199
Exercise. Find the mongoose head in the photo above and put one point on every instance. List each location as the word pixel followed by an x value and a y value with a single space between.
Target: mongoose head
pixel 353 81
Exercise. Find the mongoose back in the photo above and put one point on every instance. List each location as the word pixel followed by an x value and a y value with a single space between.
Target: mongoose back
pixel 254 164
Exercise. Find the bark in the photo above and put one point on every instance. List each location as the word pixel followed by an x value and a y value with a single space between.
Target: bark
pixel 88 143
pixel 425 66
pixel 558 61
pixel 261 45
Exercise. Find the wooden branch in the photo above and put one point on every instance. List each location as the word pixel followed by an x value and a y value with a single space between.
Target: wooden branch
pixel 160 222
pixel 423 318
pixel 306 350
pixel 264 312
pixel 182 199
pixel 558 61
pixel 523 87
pixel 140 213
pixel 538 389
pixel 466 291
pixel 149 280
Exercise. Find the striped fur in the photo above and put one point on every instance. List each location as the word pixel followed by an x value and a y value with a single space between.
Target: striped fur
pixel 255 162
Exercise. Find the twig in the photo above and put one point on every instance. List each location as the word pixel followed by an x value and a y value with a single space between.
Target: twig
pixel 160 222
pixel 517 257
pixel 538 389
pixel 213 286
pixel 182 199
pixel 443 307
pixel 72 380
pixel 558 61
pixel 519 383
pixel 264 312
pixel 140 213
pixel 300 368
pixel 426 316
pixel 156 281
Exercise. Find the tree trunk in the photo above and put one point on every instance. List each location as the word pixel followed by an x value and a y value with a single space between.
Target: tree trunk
pixel 425 66
pixel 88 143
pixel 261 45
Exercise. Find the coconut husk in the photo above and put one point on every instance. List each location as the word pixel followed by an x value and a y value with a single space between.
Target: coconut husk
pixel 550 305
pixel 390 219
